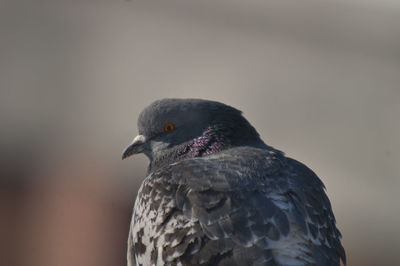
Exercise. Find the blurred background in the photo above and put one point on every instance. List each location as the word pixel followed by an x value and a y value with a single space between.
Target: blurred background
pixel 319 79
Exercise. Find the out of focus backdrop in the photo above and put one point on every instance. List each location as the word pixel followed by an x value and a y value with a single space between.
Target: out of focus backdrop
pixel 320 80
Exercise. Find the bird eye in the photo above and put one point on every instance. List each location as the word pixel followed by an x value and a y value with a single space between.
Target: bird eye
pixel 168 127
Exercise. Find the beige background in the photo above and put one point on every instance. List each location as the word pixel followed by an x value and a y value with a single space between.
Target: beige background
pixel 320 80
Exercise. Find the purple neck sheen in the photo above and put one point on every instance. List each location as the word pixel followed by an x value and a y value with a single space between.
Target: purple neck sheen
pixel 209 142
pixel 212 140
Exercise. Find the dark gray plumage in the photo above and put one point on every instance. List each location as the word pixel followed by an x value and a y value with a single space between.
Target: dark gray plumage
pixel 216 194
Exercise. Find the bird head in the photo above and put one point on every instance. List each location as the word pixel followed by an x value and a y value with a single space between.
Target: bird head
pixel 174 128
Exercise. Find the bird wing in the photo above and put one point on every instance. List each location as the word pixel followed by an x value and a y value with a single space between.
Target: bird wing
pixel 313 213
pixel 225 196
pixel 229 210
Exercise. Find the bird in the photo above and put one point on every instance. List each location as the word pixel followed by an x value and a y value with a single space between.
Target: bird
pixel 216 194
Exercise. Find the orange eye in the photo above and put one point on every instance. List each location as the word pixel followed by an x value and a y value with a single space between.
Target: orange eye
pixel 168 127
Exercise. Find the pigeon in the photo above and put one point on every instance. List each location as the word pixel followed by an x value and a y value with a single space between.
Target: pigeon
pixel 216 194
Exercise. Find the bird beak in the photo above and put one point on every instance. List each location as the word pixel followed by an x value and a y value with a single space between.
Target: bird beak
pixel 137 146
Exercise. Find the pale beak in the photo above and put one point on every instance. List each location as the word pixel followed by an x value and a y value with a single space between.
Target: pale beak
pixel 137 146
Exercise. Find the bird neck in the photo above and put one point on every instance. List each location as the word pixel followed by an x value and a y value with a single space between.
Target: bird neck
pixel 213 139
pixel 210 141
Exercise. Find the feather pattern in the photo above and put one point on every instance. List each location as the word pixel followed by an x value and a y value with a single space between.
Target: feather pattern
pixel 243 206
